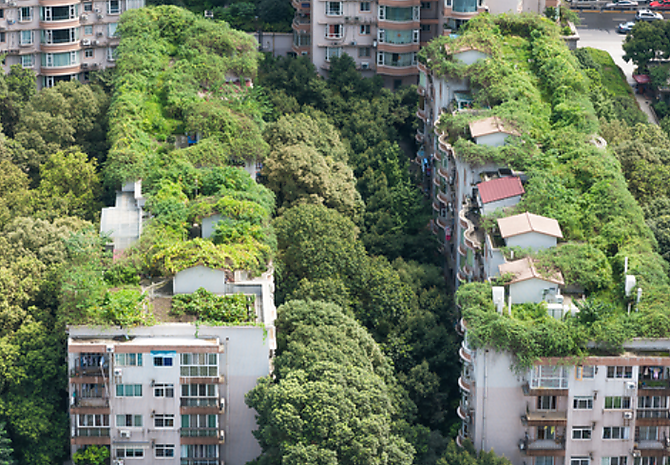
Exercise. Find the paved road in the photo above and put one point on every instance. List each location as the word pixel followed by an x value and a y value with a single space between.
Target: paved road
pixel 605 20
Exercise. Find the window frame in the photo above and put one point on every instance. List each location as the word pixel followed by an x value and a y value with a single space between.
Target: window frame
pixel 123 387
pixel 167 451
pixel 167 420
pixel 623 433
pixel 331 12
pixel 164 390
pixel 334 31
pixel 125 449
pixel 363 10
pixel 364 30
pixel 582 403
pixel 134 423
pixel 582 432
pixel 619 372
pixel 617 403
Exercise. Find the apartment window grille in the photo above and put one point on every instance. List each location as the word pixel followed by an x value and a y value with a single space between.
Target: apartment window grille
pixel 579 461
pixel 127 360
pixel 88 31
pixel 164 420
pixel 646 402
pixel 129 452
pixel 546 402
pixel 365 7
pixel 90 391
pixel 616 432
pixel 332 52
pixel 581 432
pixel 164 450
pixel 365 29
pixel 364 52
pixel 199 365
pixel 544 461
pixel 93 421
pixel 199 421
pixel 585 372
pixel 164 390
pixel 125 421
pixel 199 451
pixel 199 390
pixel 88 7
pixel 26 38
pixel 128 390
pixel 549 377
pixel 334 31
pixel 617 402
pixel 27 61
pixel 334 9
pixel 25 14
pixel 617 372
pixel 582 402
pixel 113 7
pixel 646 433
pixel 614 460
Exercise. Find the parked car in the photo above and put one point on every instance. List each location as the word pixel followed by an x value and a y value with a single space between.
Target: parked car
pixel 625 28
pixel 648 15
pixel 623 4
pixel 660 5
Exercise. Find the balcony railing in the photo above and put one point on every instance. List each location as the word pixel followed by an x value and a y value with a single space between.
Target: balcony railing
pixel 197 432
pixel 94 370
pixel 92 402
pixel 200 462
pixel 199 402
pixel 92 432
pixel 543 447
pixel 545 418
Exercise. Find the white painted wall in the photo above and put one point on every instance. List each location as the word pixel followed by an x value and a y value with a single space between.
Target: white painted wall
pixel 494 140
pixel 499 204
pixel 471 56
pixel 530 290
pixel 191 279
pixel 533 240
pixel 209 225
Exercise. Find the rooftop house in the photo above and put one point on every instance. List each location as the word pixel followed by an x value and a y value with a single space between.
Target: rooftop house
pixel 527 284
pixel 529 231
pixel 499 193
pixel 123 222
pixel 491 131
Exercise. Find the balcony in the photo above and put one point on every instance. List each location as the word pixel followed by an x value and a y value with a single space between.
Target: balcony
pixel 201 406
pixel 654 387
pixel 465 353
pixel 544 391
pixel 399 48
pixel 397 70
pixel 419 135
pixel 197 432
pixel 652 417
pixel 421 114
pixel 302 24
pixel 653 448
pixel 301 5
pixel 465 386
pixel 63 71
pixel 87 370
pixel 442 223
pixel 545 418
pixel 90 403
pixel 420 89
pixel 201 461
pixel 463 411
pixel 90 436
pixel 201 436
pixel 543 447
pixel 458 12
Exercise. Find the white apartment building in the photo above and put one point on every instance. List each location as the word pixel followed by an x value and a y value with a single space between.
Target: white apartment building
pixel 591 411
pixel 61 39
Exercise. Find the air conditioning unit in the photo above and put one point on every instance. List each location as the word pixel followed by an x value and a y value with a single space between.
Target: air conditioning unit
pixel 630 384
pixel 125 434
pixel 636 453
pixel 118 372
pixel 95 42
pixel 365 65
pixel 374 43
pixel 222 379
pixel 353 43
pixel 11 3
pixel 110 349
pixel 97 10
pixel 11 21
pixel 83 17
pixel 99 33
pixel 222 405
pixel 627 415
pixel 119 462
pixel 84 66
pixel 87 42
pixel 222 436
pixel 209 14
pixel 100 16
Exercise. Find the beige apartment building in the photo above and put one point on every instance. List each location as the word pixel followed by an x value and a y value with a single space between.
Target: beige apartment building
pixel 60 39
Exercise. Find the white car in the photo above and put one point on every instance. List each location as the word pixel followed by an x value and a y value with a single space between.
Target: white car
pixel 648 15
pixel 622 4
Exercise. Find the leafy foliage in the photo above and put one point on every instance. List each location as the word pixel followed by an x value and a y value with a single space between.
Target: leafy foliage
pixel 214 309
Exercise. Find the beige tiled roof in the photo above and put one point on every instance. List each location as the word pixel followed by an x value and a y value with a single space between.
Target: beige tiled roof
pixel 490 125
pixel 524 269
pixel 528 222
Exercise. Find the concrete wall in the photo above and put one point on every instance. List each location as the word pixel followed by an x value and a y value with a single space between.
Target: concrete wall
pixel 190 280
pixel 494 140
pixel 530 290
pixel 470 57
pixel 533 240
pixel 209 225
pixel 499 204
pixel 279 44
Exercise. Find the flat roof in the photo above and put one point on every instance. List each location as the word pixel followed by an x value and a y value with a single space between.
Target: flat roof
pixel 528 222
pixel 500 188
pixel 490 125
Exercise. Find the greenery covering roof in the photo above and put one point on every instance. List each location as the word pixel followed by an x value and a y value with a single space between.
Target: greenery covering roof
pixel 531 78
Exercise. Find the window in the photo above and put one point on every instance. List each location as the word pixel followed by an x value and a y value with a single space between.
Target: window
pixel 201 364
pixel 59 13
pixel 585 372
pixel 334 31
pixel 26 37
pixel 647 433
pixel 2 36
pixel 25 13
pixel 128 421
pixel 163 361
pixel 27 61
pixel 90 391
pixel 111 29
pixel 123 360
pixel 164 420
pixel 164 450
pixel 544 461
pixel 333 52
pixel 128 452
pixel 651 402
pixel 111 53
pixel 88 6
pixel 425 5
pixel 365 7
pixel 582 402
pixel 364 52
pixel 210 451
pixel 91 421
pixel 581 432
pixel 199 421
pixel 365 29
pixel 617 402
pixel 614 460
pixel 579 461
pixel 199 390
pixel 425 27
pixel 2 14
pixel 546 402
pixel 645 461
pixel 88 53
pixel 396 59
pixel 113 7
pixel 164 390
pixel 549 377
pixel 620 372
pixel 51 60
pixel 88 31
pixel 128 390
pixel 546 432
pixel 333 8
pixel 616 432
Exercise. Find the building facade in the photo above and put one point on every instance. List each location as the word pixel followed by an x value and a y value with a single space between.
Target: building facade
pixel 61 39
pixel 382 36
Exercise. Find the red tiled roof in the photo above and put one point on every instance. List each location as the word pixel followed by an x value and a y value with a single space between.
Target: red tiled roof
pixel 500 188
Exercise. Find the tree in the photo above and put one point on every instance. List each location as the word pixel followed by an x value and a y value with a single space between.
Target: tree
pixel 20 87
pixel 332 399
pixel 91 455
pixel 647 41
pixel 5 447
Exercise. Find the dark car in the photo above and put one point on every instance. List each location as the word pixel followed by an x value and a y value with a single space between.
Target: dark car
pixel 625 28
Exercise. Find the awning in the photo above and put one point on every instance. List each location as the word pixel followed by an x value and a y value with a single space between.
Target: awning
pixel 642 78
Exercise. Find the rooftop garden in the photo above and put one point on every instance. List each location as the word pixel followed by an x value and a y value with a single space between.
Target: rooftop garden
pixel 532 80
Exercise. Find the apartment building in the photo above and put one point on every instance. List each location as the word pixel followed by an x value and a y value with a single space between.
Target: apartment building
pixel 382 36
pixel 60 39
pixel 608 410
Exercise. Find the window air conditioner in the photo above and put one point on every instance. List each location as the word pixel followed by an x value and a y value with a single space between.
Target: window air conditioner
pixel 84 65
pixel 83 17
pixel 97 10
pixel 86 42
pixel 627 415
pixel 222 436
pixel 222 405
pixel 365 65
pixel 118 371
pixel 109 348
pixel 12 3
pixel 630 385
pixel 125 434
pixel 222 379
pixel 100 16
pixel 636 454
